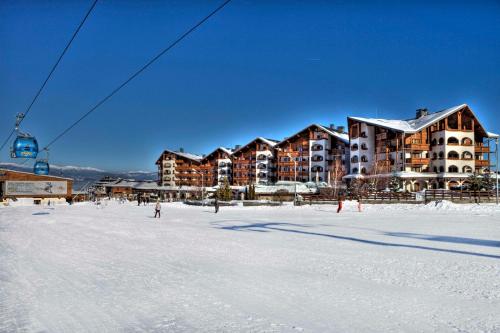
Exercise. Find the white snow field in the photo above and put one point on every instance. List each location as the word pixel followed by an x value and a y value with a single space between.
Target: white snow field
pixel 398 268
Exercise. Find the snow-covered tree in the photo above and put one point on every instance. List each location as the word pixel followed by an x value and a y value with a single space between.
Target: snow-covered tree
pixel 395 182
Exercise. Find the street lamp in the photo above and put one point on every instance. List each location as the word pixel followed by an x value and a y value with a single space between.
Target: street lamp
pixel 202 183
pixel 294 179
pixel 496 158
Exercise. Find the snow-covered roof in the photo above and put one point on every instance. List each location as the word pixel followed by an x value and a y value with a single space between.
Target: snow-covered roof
pixel 270 142
pixel 32 174
pixel 344 137
pixel 189 156
pixel 416 124
pixel 492 135
pixel 228 151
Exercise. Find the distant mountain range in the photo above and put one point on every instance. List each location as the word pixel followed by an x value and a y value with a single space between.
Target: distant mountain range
pixel 83 175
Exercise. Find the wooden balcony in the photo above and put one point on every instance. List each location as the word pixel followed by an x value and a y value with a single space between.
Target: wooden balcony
pixel 482 163
pixel 481 149
pixel 418 161
pixel 418 146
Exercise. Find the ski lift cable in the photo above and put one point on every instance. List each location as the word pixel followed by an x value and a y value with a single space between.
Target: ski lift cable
pixel 82 22
pixel 138 72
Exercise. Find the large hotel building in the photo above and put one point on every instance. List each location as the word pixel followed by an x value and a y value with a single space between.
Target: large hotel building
pixel 432 150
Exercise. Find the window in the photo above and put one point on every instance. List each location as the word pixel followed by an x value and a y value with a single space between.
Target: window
pixel 441 168
pixel 262 166
pixel 355 170
pixel 441 155
pixel 363 171
pixel 354 159
pixel 364 158
pixel 441 141
pixel 452 168
pixel 466 142
pixel 363 135
pixel 261 157
pixel 364 146
pixel 467 155
pixel 317 147
pixel 317 158
pixel 434 156
pixel 434 142
pixel 354 147
pixel 435 169
pixel 467 169
pixel 453 155
pixel 222 164
pixel 452 140
pixel 317 168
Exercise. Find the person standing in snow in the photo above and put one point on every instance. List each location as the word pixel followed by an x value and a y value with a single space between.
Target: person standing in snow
pixel 157 209
pixel 216 205
pixel 359 204
pixel 340 201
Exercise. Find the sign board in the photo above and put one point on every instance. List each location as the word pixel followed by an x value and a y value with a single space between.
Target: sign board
pixel 36 187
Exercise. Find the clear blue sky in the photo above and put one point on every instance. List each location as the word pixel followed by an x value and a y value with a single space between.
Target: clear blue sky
pixel 258 68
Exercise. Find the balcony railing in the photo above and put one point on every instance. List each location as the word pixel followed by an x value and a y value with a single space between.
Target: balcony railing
pixel 481 149
pixel 418 146
pixel 482 163
pixel 418 160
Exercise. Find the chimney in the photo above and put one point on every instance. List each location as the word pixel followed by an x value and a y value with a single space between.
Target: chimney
pixel 181 150
pixel 422 113
pixel 332 126
pixel 340 129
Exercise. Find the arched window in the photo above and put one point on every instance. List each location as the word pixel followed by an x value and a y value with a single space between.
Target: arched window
pixel 434 142
pixel 317 147
pixel 441 155
pixel 317 158
pixel 466 142
pixel 467 155
pixel 317 168
pixel 364 146
pixel 364 158
pixel 167 178
pixel 355 170
pixel 261 157
pixel 441 141
pixel 222 172
pixel 222 164
pixel 435 169
pixel 441 168
pixel 363 135
pixel 363 171
pixel 467 169
pixel 354 147
pixel 354 159
pixel 262 166
pixel 452 140
pixel 434 156
pixel 453 155
pixel 452 168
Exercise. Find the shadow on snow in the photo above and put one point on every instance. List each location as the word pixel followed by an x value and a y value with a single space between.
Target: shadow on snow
pixel 281 226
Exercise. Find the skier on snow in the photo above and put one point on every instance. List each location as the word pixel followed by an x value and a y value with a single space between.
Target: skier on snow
pixel 216 205
pixel 157 209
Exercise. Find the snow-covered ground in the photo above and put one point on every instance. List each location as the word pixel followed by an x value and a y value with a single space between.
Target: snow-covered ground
pixel 411 268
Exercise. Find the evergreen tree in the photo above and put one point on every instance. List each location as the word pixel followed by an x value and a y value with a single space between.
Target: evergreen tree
pixel 488 183
pixel 224 192
pixel 395 182
pixel 476 183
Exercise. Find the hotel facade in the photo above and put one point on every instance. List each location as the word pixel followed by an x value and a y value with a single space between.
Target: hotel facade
pixel 432 150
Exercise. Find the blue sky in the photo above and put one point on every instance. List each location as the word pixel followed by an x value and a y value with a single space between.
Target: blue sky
pixel 258 68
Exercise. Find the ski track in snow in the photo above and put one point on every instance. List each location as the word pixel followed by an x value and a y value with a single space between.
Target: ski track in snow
pixel 412 268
